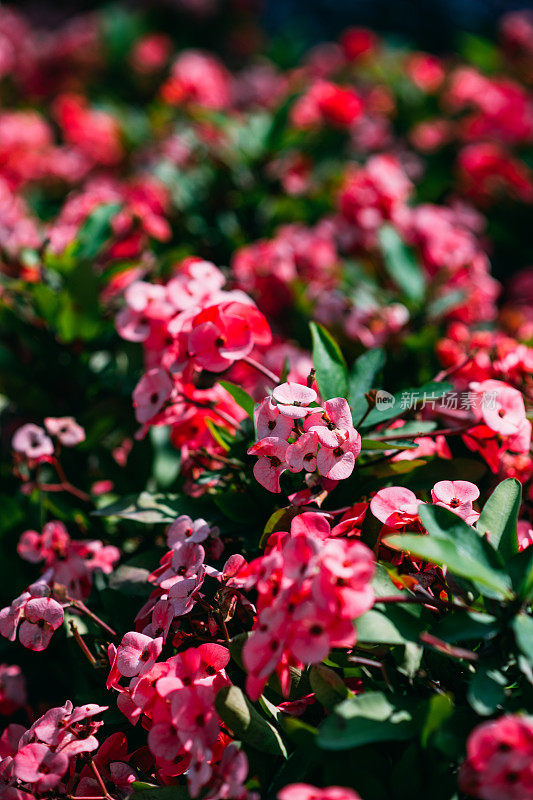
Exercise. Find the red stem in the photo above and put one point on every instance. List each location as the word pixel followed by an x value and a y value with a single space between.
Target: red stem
pixel 83 647
pixel 83 608
pixel 260 368
pixel 67 486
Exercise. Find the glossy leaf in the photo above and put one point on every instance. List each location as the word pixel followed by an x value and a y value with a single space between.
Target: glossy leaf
pixel 499 517
pixel 329 363
pixel 454 544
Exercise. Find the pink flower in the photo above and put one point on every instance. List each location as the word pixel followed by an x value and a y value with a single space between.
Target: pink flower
pixel 194 714
pixel 134 656
pixel 10 616
pixel 151 393
pixel 222 334
pixel 271 463
pixel 37 764
pixel 338 462
pixel 520 441
pixel 525 534
pixel 293 399
pixel 66 429
pixel 343 586
pixel 230 776
pixel 30 547
pixel 395 506
pixel 32 442
pixel 185 530
pixel 304 791
pixel 499 762
pixel 312 637
pixel 270 422
pixel 198 78
pixel 335 417
pixel 458 496
pixel 303 453
pixel 502 406
pixel 42 616
pixel 100 557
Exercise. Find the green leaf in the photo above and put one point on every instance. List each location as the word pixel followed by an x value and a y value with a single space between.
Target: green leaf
pixel 328 686
pixel 246 723
pixel 520 568
pixel 480 52
pixel 361 380
pixel 486 691
pixel 219 434
pixel 452 543
pixel 364 719
pixel 395 625
pixel 241 397
pixel 371 444
pixel 499 517
pixel 151 508
pixel 439 709
pixel 463 626
pixel 167 460
pixel 523 630
pixel 329 363
pixel 401 264
pixel 95 231
pixel 279 520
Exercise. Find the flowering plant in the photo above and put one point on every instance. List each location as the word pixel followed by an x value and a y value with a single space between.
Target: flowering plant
pixel 266 498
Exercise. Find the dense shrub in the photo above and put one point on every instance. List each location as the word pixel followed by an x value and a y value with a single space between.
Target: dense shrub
pixel 266 413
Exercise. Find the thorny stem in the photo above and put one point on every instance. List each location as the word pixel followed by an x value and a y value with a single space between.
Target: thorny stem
pixel 260 368
pixel 83 608
pixel 223 460
pixel 85 650
pixel 100 779
pixel 224 627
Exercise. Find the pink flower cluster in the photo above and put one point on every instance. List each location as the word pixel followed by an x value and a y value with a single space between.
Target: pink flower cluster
pixel 35 761
pixel 501 423
pixel 180 576
pixel 188 325
pixel 499 760
pixel 175 699
pixel 67 561
pixel 310 589
pixel 326 103
pixel 295 434
pixel 34 443
pixel 34 614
